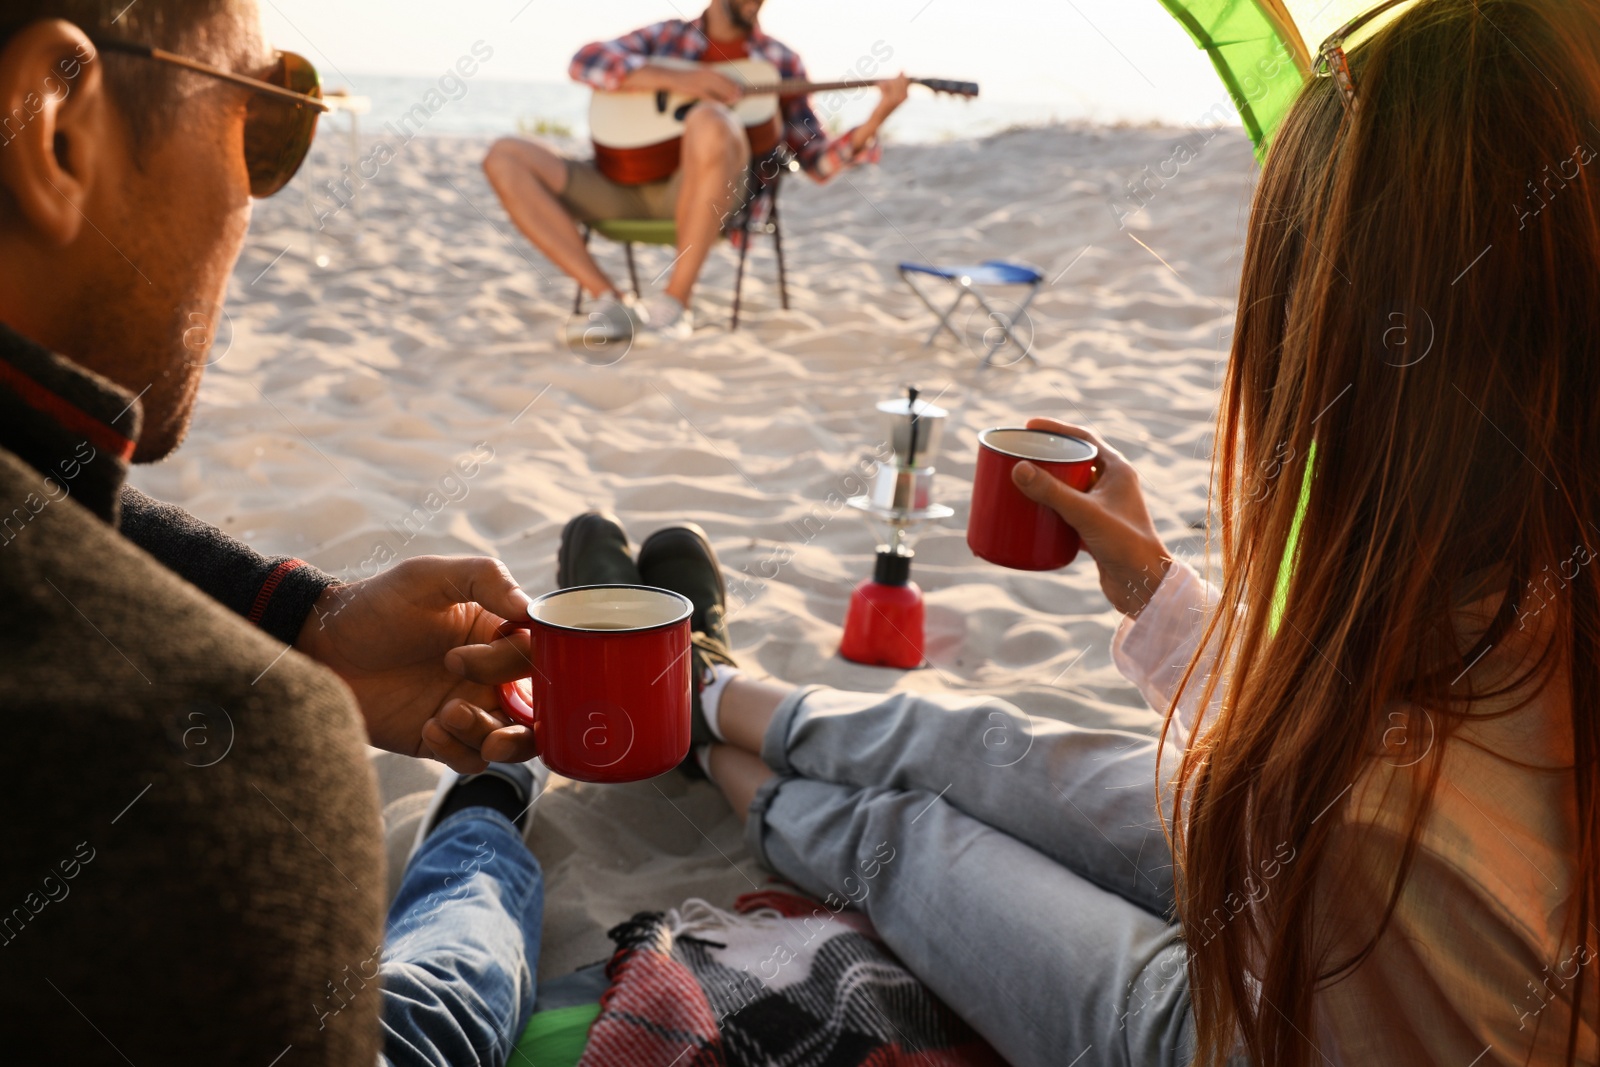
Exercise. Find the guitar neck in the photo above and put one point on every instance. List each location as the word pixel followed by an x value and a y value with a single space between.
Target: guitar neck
pixel 796 87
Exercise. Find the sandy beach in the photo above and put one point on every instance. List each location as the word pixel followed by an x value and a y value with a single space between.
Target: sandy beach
pixel 342 396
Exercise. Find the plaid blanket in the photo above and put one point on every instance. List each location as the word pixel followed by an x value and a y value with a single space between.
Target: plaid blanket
pixel 783 981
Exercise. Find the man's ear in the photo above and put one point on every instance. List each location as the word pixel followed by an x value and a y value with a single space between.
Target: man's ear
pixel 54 125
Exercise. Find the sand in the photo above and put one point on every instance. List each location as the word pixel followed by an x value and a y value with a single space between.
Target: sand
pixel 342 395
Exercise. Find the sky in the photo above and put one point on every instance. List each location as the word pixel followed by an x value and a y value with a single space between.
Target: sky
pixel 1106 60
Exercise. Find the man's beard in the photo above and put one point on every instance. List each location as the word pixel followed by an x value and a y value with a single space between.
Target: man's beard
pixel 736 16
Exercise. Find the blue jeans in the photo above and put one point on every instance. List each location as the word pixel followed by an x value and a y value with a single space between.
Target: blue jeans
pixel 1017 865
pixel 461 945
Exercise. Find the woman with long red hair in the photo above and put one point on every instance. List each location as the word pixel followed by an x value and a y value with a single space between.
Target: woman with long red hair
pixel 1423 662
pixel 1369 833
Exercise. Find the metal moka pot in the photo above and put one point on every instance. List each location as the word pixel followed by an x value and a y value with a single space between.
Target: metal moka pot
pixel 913 427
pixel 914 439
pixel 905 485
pixel 902 488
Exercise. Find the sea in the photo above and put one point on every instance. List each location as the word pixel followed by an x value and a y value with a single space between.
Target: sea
pixel 485 107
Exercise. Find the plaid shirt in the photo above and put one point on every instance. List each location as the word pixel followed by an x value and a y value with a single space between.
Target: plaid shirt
pixel 604 64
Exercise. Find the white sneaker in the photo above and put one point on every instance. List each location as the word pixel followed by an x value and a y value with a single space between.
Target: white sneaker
pixel 665 317
pixel 528 779
pixel 604 333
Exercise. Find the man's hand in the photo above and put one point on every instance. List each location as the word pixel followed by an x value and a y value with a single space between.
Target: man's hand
pixel 707 84
pixel 417 645
pixel 702 83
pixel 891 94
pixel 1111 517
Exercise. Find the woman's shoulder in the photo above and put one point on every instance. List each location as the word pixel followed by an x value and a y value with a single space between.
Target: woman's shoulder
pixel 1483 913
pixel 1501 817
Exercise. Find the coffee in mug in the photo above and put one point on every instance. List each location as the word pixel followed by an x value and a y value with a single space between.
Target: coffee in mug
pixel 608 699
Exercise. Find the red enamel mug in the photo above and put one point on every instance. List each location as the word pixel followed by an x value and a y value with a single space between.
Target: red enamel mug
pixel 1006 527
pixel 609 699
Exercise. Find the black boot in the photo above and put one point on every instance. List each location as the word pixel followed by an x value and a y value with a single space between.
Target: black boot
pixel 595 551
pixel 681 559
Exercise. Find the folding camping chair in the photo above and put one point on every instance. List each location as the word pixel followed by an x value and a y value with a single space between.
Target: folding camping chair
pixel 967 279
pixel 765 174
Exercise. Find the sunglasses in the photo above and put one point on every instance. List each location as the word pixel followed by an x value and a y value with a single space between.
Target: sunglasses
pixel 1332 61
pixel 282 116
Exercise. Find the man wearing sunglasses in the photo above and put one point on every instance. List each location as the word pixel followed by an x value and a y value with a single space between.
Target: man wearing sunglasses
pixel 190 869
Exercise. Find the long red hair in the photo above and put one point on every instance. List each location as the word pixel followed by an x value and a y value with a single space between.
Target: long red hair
pixel 1421 300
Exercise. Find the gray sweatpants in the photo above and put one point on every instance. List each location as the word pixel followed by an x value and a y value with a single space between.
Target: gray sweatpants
pixel 1016 865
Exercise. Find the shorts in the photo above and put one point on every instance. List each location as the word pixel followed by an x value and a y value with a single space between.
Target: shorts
pixel 590 196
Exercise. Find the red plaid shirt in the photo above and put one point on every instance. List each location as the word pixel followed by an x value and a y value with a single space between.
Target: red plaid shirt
pixel 604 64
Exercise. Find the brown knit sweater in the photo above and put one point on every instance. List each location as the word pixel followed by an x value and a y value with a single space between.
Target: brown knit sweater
pixel 189 851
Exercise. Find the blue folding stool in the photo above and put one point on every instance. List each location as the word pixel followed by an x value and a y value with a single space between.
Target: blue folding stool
pixel 967 280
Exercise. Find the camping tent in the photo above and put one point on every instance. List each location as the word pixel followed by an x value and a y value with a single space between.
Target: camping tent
pixel 1264 49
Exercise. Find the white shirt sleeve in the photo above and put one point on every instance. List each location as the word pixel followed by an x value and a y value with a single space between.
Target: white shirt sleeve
pixel 1153 650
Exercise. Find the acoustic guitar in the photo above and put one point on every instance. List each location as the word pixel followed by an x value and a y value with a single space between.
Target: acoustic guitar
pixel 638 135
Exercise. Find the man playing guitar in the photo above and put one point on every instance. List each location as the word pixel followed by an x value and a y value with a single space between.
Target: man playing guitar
pixel 547 194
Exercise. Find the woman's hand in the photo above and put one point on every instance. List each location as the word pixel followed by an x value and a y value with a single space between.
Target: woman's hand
pixel 1111 517
pixel 418 645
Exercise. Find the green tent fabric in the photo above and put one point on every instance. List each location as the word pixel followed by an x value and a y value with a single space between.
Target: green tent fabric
pixel 1262 62
pixel 1263 49
pixel 1280 589
pixel 565 1009
pixel 556 1038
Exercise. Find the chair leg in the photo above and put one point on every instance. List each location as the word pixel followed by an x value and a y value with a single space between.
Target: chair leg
pixel 738 277
pixel 943 314
pixel 944 319
pixel 1022 312
pixel 633 275
pixel 577 297
pixel 1007 324
pixel 777 247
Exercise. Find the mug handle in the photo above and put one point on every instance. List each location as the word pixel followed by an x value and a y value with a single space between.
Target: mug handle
pixel 511 699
